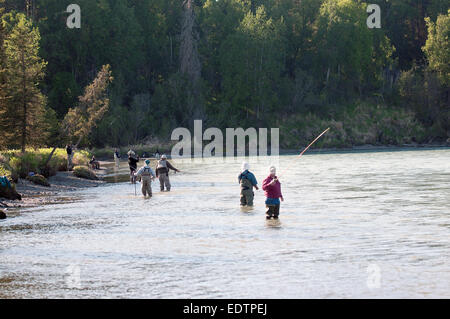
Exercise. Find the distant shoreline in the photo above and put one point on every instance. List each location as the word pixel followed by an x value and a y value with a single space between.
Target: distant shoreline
pixel 361 148
pixel 368 148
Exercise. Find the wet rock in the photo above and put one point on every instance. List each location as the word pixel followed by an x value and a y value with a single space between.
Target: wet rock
pixel 38 180
pixel 2 215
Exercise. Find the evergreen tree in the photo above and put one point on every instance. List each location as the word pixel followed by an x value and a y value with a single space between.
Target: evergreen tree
pixel 3 95
pixel 24 70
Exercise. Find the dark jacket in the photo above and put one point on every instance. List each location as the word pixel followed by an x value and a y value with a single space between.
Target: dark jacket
pixel 132 162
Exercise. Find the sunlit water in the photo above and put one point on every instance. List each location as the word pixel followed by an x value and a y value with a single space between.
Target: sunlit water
pixel 353 225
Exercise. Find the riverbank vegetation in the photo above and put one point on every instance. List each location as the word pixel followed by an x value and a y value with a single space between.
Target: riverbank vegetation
pixel 16 164
pixel 300 66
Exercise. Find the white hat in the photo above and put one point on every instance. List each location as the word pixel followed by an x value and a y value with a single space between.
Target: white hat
pixel 130 152
pixel 163 156
pixel 245 166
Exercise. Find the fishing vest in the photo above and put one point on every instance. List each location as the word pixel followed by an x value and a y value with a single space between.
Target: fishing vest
pixel 147 172
pixel 162 164
pixel 162 167
pixel 245 182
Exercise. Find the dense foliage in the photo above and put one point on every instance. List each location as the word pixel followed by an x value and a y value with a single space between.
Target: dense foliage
pixel 15 164
pixel 295 64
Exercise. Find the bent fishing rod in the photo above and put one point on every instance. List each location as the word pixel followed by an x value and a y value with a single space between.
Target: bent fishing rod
pixel 313 142
pixel 306 148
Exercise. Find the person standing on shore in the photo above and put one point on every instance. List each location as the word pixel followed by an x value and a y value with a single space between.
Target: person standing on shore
pixel 69 152
pixel 272 190
pixel 146 174
pixel 247 181
pixel 162 172
pixel 117 157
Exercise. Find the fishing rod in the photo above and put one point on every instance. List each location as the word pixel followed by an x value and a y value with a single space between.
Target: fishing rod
pixel 306 148
pixel 313 142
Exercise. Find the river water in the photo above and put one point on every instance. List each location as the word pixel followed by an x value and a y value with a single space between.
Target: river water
pixel 353 225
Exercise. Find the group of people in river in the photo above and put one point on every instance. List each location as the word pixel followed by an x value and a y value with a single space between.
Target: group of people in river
pixel 146 174
pixel 247 180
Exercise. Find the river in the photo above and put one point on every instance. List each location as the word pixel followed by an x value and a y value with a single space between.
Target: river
pixel 353 225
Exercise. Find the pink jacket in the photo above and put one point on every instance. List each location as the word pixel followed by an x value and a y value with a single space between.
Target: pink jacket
pixel 271 191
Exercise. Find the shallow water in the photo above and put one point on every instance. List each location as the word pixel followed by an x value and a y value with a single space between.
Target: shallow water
pixel 363 225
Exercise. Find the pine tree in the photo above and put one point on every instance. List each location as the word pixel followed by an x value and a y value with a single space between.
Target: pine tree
pixel 3 95
pixel 24 69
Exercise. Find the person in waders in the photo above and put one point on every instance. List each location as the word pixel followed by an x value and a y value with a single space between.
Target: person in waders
pixel 272 190
pixel 162 172
pixel 247 181
pixel 117 157
pixel 146 175
pixel 132 163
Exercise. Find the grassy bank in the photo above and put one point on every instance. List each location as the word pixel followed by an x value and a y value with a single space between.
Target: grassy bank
pixel 15 164
pixel 350 126
pixel 353 126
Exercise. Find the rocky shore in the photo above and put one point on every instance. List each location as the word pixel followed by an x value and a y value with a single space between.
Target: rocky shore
pixel 36 195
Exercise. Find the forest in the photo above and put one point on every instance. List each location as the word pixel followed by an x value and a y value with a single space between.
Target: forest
pixel 137 69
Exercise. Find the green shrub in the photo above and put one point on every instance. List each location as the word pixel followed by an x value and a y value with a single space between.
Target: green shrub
pixel 83 172
pixel 39 180
pixel 34 160
pixel 4 171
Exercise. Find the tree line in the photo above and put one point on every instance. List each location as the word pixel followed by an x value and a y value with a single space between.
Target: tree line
pixel 246 63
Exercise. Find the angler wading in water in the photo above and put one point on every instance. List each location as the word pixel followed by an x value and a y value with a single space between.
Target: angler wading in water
pixel 146 175
pixel 272 190
pixel 247 181
pixel 132 163
pixel 117 157
pixel 162 172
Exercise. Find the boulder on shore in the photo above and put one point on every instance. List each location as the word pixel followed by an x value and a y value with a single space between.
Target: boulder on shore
pixel 2 215
pixel 38 180
pixel 85 173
